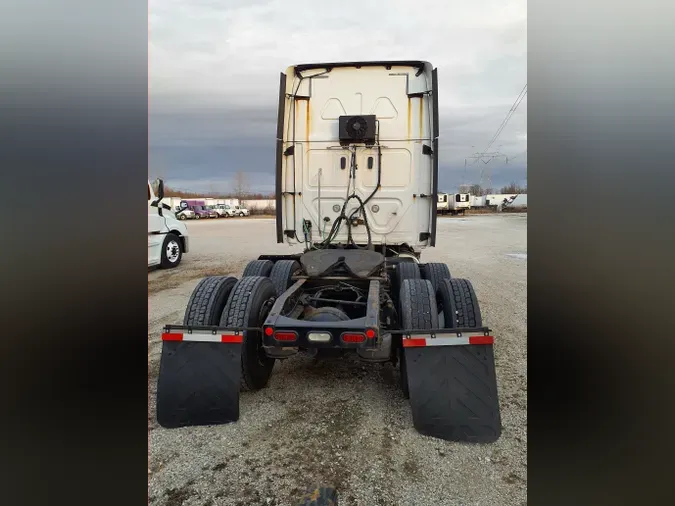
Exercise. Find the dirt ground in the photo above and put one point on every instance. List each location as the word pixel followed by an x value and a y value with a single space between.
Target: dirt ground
pixel 345 423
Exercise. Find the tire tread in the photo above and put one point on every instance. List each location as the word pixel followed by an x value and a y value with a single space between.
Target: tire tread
pixel 258 268
pixel 208 300
pixel 242 310
pixel 281 274
pixel 435 272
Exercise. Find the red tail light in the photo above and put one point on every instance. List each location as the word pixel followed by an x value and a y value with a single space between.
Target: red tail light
pixel 269 331
pixel 353 337
pixel 285 336
pixel 370 333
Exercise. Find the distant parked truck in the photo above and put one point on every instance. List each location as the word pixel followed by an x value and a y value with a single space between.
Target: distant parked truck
pixel 240 211
pixel 221 210
pixel 184 213
pixel 442 205
pixel 458 203
pixel 200 209
pixel 224 210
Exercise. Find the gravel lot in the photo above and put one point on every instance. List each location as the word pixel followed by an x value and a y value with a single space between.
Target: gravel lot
pixel 344 423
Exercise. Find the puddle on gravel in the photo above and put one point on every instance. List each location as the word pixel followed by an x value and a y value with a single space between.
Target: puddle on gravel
pixel 520 256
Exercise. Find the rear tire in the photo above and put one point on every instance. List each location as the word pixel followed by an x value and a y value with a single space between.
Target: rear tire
pixel 435 272
pixel 208 300
pixel 417 308
pixel 405 270
pixel 258 268
pixel 248 306
pixel 281 274
pixel 459 304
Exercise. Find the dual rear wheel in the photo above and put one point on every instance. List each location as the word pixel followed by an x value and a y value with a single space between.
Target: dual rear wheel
pixel 452 389
pixel 199 382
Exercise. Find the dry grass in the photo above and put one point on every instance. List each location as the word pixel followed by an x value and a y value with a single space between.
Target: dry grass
pixel 168 279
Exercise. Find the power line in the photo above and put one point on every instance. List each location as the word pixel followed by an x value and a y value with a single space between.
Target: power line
pixel 510 159
pixel 509 114
pixel 496 135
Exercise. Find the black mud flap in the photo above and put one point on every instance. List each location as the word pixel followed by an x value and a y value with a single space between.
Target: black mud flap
pixel 453 392
pixel 198 383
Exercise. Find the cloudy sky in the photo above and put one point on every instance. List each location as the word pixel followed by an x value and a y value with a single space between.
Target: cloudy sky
pixel 215 64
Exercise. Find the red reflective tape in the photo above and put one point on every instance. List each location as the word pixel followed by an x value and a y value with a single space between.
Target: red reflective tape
pixel 414 342
pixel 481 339
pixel 231 338
pixel 168 336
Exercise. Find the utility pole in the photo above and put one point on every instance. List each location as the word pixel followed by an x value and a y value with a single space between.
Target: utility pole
pixel 486 158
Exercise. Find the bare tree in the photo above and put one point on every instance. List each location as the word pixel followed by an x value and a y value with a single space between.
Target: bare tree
pixel 240 186
pixel 514 188
pixel 475 189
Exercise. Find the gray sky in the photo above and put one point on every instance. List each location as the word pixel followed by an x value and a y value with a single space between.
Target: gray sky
pixel 214 78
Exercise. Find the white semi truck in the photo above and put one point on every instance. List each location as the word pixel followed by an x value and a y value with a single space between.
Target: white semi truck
pixel 356 185
pixel 168 238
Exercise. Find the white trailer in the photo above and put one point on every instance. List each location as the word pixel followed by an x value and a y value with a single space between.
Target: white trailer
pixel 517 201
pixel 458 203
pixel 498 200
pixel 477 201
pixel 442 204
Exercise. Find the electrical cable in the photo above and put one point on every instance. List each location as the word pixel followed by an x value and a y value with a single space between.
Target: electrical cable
pixel 501 127
pixel 362 207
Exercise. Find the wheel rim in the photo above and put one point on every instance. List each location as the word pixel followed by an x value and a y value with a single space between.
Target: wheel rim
pixel 172 251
